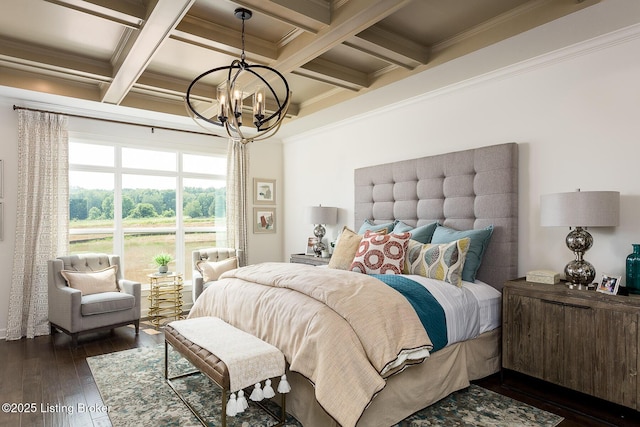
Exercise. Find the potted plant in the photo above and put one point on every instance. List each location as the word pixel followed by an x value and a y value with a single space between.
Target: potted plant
pixel 162 260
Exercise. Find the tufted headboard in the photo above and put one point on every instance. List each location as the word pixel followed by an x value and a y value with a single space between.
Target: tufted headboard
pixel 464 190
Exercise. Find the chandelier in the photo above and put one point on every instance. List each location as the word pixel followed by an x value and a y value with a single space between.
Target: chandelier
pixel 227 112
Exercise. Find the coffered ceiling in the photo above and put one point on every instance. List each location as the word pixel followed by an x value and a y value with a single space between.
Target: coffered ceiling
pixel 144 53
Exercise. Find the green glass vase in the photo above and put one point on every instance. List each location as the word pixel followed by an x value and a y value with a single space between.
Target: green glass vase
pixel 633 270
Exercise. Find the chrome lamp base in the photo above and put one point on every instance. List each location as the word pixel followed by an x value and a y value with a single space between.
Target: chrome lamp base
pixel 319 231
pixel 579 273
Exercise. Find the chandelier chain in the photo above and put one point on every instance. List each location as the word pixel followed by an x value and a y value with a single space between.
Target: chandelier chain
pixel 242 55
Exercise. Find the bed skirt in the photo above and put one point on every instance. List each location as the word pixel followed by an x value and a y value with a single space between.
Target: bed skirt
pixel 446 371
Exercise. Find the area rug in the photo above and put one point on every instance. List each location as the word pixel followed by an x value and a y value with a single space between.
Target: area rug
pixel 132 386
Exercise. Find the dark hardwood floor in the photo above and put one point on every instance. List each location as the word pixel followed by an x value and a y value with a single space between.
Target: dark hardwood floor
pixel 48 372
pixel 579 410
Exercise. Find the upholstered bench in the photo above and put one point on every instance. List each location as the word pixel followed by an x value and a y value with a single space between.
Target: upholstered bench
pixel 232 359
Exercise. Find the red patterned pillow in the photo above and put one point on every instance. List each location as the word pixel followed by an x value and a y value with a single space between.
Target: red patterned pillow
pixel 381 253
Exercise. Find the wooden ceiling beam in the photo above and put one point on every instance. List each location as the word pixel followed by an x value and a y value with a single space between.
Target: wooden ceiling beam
pixel 349 20
pixel 119 11
pixel 308 15
pixel 318 10
pixel 223 39
pixel 335 74
pixel 142 46
pixel 390 47
pixel 41 59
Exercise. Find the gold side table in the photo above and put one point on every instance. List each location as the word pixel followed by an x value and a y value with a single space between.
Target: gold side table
pixel 165 297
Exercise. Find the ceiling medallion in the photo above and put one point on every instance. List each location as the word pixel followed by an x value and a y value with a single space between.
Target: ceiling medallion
pixel 230 97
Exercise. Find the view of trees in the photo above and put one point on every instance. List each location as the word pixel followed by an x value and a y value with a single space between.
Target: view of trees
pixel 147 203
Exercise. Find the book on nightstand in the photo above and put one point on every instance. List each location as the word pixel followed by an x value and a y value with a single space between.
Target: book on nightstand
pixel 543 276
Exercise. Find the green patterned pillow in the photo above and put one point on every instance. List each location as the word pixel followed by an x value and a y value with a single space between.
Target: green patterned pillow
pixel 445 261
pixel 412 259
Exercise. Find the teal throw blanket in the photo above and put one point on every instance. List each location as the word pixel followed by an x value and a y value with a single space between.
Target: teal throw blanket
pixel 426 306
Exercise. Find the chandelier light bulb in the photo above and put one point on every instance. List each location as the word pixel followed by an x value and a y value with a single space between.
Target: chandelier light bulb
pixel 258 106
pixel 222 105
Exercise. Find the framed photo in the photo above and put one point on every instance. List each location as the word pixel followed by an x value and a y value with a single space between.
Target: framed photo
pixel 609 284
pixel 1 178
pixel 264 191
pixel 264 220
pixel 310 242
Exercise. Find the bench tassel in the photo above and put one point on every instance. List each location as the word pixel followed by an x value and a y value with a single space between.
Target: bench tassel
pixel 267 391
pixel 283 386
pixel 241 402
pixel 232 406
pixel 256 394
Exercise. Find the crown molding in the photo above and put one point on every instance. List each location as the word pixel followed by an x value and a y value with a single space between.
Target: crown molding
pixel 554 57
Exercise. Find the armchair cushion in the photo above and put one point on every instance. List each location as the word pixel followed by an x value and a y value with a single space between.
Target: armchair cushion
pixel 93 282
pixel 106 302
pixel 211 270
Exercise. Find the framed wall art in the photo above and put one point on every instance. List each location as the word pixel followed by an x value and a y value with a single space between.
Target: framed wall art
pixel 264 220
pixel 264 191
pixel 1 178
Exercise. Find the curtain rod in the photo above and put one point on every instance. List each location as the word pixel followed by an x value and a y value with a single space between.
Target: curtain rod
pixel 15 107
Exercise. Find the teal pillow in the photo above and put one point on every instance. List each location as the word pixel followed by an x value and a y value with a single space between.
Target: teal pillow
pixel 479 242
pixel 422 234
pixel 369 226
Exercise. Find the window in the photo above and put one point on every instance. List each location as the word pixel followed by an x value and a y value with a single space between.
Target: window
pixel 138 202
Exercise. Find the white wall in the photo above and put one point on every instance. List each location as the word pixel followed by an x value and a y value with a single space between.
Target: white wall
pixel 574 112
pixel 265 162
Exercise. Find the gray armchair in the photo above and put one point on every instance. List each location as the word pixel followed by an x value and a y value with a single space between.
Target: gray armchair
pixel 208 254
pixel 73 313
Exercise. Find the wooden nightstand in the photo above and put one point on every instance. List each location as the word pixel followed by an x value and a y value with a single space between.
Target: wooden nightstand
pixel 583 340
pixel 309 259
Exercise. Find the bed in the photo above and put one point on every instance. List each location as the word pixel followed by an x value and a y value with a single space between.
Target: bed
pixel 397 368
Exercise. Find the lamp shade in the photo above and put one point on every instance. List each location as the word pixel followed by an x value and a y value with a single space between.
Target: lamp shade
pixel 580 209
pixel 322 215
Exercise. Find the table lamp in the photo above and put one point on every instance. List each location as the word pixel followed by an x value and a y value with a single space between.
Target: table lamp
pixel 321 216
pixel 580 209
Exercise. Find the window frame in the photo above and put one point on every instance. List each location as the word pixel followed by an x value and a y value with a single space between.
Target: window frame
pixel 179 174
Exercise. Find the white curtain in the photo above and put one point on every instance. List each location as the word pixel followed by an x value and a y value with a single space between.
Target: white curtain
pixel 237 172
pixel 42 218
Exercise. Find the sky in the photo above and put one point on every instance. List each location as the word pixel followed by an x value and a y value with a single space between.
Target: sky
pixel 150 164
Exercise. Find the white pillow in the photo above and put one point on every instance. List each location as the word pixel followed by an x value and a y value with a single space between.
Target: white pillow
pixel 211 270
pixel 345 249
pixel 93 282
